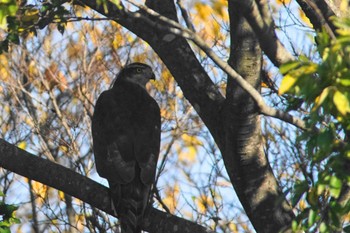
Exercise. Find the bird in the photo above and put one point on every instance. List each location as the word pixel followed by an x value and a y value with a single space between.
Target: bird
pixel 126 127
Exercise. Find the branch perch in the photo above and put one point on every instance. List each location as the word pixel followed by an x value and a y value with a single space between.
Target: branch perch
pixel 52 174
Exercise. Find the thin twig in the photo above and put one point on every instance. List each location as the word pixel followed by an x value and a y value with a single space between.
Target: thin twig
pixel 185 16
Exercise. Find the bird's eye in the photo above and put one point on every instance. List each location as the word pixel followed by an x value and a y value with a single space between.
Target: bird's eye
pixel 138 70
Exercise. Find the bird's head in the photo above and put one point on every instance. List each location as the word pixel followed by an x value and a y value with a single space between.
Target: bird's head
pixel 138 73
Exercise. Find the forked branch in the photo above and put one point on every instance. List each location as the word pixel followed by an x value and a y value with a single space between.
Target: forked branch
pixel 177 29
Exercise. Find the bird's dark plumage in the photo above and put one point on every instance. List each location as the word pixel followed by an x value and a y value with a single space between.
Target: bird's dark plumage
pixel 126 140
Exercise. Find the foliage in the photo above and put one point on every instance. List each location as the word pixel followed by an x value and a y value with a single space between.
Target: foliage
pixel 7 216
pixel 324 86
pixel 7 8
pixel 20 19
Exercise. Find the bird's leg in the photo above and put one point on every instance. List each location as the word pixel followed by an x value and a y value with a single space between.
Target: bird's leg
pixel 113 207
pixel 115 195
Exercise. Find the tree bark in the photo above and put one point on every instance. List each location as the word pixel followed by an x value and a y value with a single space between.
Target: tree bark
pixel 248 167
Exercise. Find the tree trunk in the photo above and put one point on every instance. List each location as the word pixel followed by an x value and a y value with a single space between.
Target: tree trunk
pixel 246 163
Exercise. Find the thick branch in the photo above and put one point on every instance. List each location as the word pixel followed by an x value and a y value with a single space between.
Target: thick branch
pixel 319 14
pixel 261 21
pixel 87 190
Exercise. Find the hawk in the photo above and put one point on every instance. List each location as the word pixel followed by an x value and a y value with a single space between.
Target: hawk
pixel 126 141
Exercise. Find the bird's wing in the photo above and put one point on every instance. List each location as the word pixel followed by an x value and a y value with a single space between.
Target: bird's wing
pixel 148 140
pixel 111 136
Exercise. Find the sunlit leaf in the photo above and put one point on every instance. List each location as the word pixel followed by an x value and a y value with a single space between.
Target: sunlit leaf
pixel 282 1
pixel 320 99
pixel 22 145
pixel 188 154
pixel 233 227
pixel 344 81
pixel 335 186
pixel 287 83
pixel 30 15
pixel 191 139
pixel 341 102
pixel 289 66
pixel 7 8
pixel 312 217
pixel 323 227
pixel 204 203
pixel 304 18
pixel 171 197
pixel 40 190
pixel 204 10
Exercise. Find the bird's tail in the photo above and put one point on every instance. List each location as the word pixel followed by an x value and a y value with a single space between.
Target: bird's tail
pixel 131 221
pixel 130 201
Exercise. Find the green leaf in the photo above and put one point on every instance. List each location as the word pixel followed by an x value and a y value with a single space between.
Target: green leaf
pixel 5 230
pixel 294 225
pixel 323 227
pixel 289 66
pixel 344 82
pixel 7 8
pixel 335 185
pixel 312 217
pixel 300 188
pixel 325 140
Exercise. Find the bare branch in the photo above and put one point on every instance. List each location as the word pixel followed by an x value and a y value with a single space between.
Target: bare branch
pixel 185 16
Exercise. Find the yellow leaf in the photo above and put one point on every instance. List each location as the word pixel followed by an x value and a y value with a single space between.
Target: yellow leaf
pixel 219 7
pixel 204 11
pixel 287 83
pixel 344 6
pixel 304 18
pixel 341 102
pixel 320 99
pixel 171 196
pixel 302 204
pixel 204 203
pixel 40 190
pixel 280 2
pixel 4 68
pixel 188 155
pixel 63 148
pixel 61 195
pixel 30 15
pixel 22 145
pixel 215 29
pixel 191 140
pixel 7 109
pixel 32 70
pixel 80 221
pixel 233 227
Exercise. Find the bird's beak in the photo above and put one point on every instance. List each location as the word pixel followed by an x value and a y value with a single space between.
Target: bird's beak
pixel 152 82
